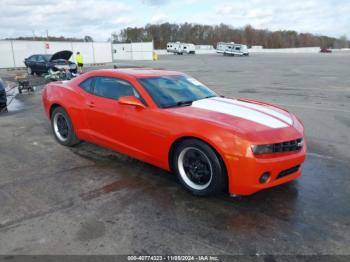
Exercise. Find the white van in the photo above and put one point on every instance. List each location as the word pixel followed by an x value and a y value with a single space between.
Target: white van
pixel 181 48
pixel 232 49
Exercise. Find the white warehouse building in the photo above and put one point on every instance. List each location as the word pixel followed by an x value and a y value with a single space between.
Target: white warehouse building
pixel 133 51
pixel 13 52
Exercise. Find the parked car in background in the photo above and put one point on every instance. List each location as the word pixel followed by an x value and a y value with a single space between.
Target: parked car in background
pixel 175 122
pixel 325 50
pixel 232 49
pixel 41 63
pixel 181 48
pixel 3 97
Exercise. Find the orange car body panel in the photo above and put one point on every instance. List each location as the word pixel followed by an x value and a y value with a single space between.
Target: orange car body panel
pixel 148 133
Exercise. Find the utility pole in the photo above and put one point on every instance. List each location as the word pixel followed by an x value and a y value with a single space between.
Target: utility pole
pixel 112 51
pixel 47 34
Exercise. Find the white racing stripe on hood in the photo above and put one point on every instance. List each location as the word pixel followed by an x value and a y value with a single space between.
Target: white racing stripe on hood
pixel 239 111
pixel 258 107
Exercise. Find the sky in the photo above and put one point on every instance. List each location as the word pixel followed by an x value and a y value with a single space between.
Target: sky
pixel 100 18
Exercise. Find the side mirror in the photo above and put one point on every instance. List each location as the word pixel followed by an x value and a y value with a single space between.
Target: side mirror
pixel 131 100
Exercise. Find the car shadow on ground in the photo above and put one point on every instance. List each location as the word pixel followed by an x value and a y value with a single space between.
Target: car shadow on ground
pixel 133 174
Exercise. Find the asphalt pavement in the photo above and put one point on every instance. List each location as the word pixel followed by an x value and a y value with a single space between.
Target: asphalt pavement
pixel 89 200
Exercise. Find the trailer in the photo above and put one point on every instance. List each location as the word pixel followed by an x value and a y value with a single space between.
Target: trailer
pixel 181 48
pixel 232 49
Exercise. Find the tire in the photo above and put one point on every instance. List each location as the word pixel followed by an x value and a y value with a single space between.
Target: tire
pixel 30 71
pixel 62 128
pixel 199 168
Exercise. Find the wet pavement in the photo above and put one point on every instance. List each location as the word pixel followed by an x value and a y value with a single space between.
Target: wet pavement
pixel 89 200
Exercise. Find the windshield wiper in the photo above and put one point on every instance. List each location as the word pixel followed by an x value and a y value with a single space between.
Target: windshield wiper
pixel 210 96
pixel 180 103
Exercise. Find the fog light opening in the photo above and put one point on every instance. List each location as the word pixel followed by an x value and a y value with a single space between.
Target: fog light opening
pixel 264 177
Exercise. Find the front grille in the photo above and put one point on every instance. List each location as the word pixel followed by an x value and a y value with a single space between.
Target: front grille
pixel 288 171
pixel 293 145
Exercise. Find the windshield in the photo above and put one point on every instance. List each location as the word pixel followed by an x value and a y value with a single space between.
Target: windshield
pixel 171 91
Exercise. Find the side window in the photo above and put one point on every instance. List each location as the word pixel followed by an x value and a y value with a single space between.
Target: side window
pixel 87 84
pixel 113 88
pixel 40 58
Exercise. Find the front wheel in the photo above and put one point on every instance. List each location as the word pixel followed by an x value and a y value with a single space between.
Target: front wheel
pixel 62 128
pixel 199 168
pixel 30 71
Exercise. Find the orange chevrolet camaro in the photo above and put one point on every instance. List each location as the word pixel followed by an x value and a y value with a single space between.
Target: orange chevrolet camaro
pixel 175 122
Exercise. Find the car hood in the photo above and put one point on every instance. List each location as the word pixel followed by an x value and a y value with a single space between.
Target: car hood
pixel 246 116
pixel 66 55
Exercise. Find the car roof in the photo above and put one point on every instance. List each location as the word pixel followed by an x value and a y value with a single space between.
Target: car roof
pixel 141 72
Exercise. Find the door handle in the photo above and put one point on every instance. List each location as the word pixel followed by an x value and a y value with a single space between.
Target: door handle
pixel 90 104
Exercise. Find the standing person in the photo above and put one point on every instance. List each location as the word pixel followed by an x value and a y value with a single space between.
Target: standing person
pixel 80 62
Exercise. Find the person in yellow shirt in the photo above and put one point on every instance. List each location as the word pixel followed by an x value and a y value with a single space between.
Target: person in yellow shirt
pixel 80 62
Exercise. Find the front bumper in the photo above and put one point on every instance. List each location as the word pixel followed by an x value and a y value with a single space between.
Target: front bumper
pixel 245 172
pixel 3 100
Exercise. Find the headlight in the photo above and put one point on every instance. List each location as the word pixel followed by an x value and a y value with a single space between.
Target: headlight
pixel 262 149
pixel 287 146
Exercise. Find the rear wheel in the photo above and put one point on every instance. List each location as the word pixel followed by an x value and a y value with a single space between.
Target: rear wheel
pixel 199 168
pixel 62 128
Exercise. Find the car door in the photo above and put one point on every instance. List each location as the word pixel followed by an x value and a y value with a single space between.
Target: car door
pixel 139 132
pixel 104 113
pixel 41 65
pixel 147 131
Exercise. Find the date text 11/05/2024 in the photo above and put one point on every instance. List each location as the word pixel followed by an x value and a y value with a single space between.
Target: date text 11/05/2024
pixel 173 258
